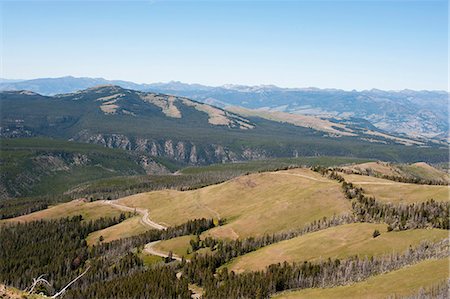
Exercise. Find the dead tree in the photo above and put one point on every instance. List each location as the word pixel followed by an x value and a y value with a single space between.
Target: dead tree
pixel 63 290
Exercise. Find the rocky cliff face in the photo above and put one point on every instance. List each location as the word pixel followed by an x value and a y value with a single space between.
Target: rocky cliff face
pixel 179 150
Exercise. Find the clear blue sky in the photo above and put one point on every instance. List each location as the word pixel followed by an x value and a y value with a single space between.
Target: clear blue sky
pixel 336 44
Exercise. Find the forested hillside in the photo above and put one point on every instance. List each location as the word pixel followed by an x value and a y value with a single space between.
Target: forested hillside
pixel 420 113
pixel 367 237
pixel 193 133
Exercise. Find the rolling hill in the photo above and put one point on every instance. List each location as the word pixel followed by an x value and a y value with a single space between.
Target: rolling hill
pixel 395 192
pixel 419 170
pixel 88 210
pixel 341 242
pixel 404 282
pixel 251 205
pixel 252 208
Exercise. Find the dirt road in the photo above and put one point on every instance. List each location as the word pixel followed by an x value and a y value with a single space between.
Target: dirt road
pixel 144 212
pixel 149 249
pixel 299 175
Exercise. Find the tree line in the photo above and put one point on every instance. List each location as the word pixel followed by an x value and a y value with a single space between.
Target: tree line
pixel 301 275
pixel 398 216
pixel 395 178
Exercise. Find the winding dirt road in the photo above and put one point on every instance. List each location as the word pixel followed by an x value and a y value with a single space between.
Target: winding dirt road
pixel 149 248
pixel 144 212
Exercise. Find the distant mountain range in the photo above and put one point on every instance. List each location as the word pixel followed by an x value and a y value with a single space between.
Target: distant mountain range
pixel 420 114
pixel 192 132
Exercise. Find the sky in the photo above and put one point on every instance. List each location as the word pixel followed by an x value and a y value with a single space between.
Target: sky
pixel 327 44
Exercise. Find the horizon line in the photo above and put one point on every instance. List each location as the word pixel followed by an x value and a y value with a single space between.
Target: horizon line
pixel 225 84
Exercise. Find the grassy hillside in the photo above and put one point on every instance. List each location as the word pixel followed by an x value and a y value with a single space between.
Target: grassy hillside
pixel 400 283
pixel 336 242
pixel 425 171
pixel 252 205
pixel 178 246
pixel 125 229
pixel 36 172
pixel 121 185
pixel 420 170
pixel 198 176
pixel 395 192
pixel 89 211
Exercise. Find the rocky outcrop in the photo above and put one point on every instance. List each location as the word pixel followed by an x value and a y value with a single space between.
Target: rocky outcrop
pixel 179 150
pixel 151 166
pixel 80 160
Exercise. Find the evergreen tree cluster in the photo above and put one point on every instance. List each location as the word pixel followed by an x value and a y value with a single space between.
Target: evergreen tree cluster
pixel 142 284
pixel 56 248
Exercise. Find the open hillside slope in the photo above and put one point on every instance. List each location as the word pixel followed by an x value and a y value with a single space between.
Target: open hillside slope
pixel 418 113
pixel 401 283
pixel 339 242
pixel 107 175
pixel 419 170
pixel 251 205
pixel 425 171
pixel 395 192
pixel 88 210
pixel 130 227
pixel 330 126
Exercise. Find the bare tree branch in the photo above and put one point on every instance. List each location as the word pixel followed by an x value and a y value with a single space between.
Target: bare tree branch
pixel 63 290
pixel 40 279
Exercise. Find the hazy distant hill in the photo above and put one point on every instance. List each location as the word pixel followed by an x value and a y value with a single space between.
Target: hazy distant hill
pixel 415 113
pixel 52 86
pixel 191 132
